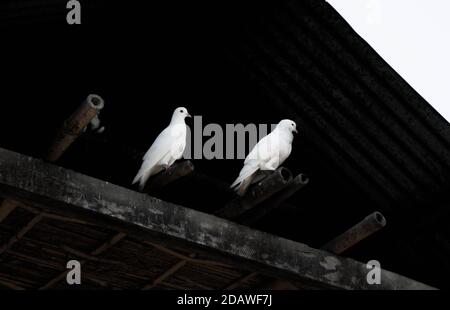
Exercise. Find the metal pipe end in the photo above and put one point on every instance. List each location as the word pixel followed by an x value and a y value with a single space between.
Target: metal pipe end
pixel 95 101
pixel 285 173
pixel 302 179
pixel 379 218
pixel 189 165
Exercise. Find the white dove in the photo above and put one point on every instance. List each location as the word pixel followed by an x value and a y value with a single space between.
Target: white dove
pixel 268 154
pixel 167 148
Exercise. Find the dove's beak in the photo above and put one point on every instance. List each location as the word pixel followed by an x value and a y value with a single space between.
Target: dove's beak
pixel 188 115
pixel 295 130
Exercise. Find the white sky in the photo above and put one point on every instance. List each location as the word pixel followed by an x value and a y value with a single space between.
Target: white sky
pixel 413 36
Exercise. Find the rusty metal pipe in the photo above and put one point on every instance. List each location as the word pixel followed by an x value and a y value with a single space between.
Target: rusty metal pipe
pixel 371 224
pixel 299 182
pixel 74 126
pixel 264 189
pixel 175 172
pixel 341 243
pixel 71 129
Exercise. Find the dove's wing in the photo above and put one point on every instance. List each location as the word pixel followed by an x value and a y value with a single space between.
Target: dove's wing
pixel 159 149
pixel 167 148
pixel 262 151
pixel 160 146
pixel 274 150
pixel 283 153
pixel 170 141
pixel 262 156
pixel 179 143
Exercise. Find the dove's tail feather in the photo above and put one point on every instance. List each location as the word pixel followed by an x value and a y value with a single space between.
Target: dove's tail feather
pixel 138 175
pixel 244 179
pixel 143 179
pixel 242 188
pixel 144 173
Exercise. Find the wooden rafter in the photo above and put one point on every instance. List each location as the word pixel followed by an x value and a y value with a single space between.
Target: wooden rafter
pixel 102 248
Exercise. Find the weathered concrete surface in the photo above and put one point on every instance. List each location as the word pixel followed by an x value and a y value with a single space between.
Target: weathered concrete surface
pixel 68 192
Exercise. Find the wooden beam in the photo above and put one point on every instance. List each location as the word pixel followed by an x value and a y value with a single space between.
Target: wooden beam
pixel 191 258
pixel 48 264
pixel 278 285
pixel 6 207
pixel 36 219
pixel 241 280
pixel 142 216
pixel 11 285
pixel 166 274
pixel 198 285
pixel 102 248
pixel 90 257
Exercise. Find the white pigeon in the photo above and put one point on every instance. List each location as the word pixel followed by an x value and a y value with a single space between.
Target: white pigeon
pixel 268 154
pixel 167 148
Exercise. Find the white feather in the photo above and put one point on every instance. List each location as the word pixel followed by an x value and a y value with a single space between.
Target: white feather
pixel 165 150
pixel 268 154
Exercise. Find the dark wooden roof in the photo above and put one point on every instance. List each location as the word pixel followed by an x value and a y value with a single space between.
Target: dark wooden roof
pixel 368 141
pixel 352 105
